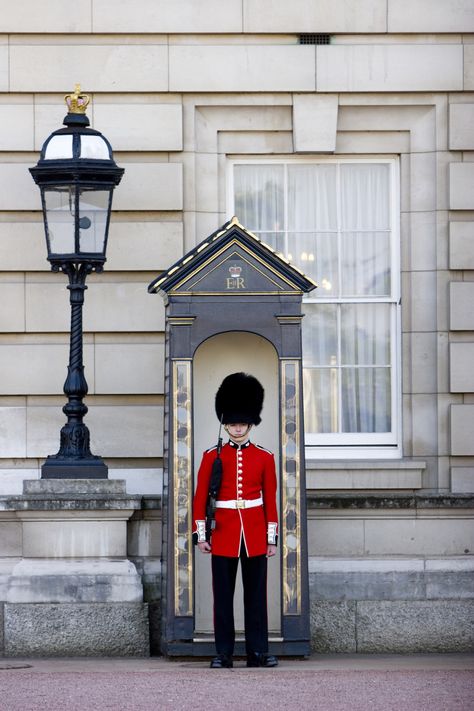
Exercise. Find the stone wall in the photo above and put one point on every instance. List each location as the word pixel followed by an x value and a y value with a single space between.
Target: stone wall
pixel 390 82
pixel 388 573
pixel 403 584
pixel 67 587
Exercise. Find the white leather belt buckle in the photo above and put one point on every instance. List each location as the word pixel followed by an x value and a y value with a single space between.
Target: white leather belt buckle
pixel 239 503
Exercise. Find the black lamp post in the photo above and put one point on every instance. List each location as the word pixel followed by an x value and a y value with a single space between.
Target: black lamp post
pixel 76 174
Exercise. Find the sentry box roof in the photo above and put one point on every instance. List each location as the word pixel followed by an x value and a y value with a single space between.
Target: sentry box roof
pixel 232 260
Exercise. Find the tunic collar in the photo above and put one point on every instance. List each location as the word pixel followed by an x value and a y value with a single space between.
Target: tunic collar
pixel 239 446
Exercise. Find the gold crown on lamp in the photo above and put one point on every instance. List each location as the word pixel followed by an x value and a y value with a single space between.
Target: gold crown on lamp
pixel 77 102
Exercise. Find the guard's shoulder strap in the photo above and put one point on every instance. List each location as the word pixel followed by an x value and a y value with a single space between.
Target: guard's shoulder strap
pixel 263 449
pixel 211 449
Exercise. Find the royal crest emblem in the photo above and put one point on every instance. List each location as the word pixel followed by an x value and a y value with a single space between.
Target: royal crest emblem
pixel 235 281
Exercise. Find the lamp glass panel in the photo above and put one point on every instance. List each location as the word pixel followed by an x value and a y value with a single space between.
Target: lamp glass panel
pixel 94 147
pixel 93 214
pixel 59 148
pixel 59 219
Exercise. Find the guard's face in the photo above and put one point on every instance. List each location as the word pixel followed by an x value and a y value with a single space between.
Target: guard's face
pixel 238 431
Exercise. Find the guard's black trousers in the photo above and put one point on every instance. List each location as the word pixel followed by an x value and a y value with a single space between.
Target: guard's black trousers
pixel 254 579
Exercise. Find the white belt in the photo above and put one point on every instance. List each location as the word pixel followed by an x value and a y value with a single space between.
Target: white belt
pixel 239 503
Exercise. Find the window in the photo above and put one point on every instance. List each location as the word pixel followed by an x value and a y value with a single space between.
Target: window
pixel 337 220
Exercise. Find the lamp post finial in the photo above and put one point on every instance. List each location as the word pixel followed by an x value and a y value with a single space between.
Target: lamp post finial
pixel 77 102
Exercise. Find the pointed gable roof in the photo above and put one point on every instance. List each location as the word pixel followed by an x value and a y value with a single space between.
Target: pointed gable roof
pixel 231 260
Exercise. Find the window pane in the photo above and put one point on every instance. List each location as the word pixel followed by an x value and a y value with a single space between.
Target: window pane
pixel 319 334
pixel 320 388
pixel 276 240
pixel 365 334
pixel 259 198
pixel 316 256
pixel 366 400
pixel 365 264
pixel 365 203
pixel 312 198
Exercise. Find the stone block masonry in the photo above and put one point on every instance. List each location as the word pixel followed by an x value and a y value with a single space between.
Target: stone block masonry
pixel 392 602
pixel 69 588
pixel 51 630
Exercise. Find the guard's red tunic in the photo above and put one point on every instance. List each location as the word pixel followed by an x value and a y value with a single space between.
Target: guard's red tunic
pixel 248 474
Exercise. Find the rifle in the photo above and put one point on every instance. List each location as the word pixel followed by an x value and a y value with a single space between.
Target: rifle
pixel 214 486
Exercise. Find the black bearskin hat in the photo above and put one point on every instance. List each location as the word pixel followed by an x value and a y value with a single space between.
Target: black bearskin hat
pixel 239 399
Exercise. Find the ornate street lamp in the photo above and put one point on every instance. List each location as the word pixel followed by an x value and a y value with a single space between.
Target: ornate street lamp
pixel 76 174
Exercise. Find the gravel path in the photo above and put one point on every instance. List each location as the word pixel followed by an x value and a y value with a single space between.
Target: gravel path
pixel 199 689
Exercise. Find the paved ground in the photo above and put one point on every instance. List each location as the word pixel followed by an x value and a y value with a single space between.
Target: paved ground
pixel 321 683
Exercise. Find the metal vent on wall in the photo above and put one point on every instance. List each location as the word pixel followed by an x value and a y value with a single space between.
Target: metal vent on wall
pixel 315 39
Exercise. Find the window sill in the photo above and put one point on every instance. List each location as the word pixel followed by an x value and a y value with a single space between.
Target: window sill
pixel 368 475
pixel 352 452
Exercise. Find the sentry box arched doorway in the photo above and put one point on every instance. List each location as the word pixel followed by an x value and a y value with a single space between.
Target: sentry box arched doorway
pixel 232 304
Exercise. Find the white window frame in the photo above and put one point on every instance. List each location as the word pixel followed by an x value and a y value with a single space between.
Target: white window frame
pixel 353 445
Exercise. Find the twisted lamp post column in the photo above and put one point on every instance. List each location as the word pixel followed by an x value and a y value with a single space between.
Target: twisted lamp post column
pixel 74 458
pixel 75 438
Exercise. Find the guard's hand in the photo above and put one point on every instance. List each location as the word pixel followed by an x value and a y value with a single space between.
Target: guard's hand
pixel 204 547
pixel 271 551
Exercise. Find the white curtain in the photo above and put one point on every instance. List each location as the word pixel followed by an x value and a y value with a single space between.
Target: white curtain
pixel 365 361
pixel 312 221
pixel 333 220
pixel 259 201
pixel 365 228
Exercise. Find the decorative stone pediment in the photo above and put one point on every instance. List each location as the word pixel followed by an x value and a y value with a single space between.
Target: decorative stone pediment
pixel 232 261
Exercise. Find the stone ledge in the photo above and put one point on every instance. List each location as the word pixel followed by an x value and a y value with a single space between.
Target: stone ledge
pixel 68 502
pixel 325 564
pixel 150 503
pixel 314 500
pixel 389 501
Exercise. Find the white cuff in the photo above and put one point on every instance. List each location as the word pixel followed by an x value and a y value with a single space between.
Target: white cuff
pixel 201 531
pixel 272 534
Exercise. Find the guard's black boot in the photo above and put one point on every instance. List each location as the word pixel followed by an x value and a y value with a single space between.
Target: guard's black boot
pixel 260 659
pixel 222 661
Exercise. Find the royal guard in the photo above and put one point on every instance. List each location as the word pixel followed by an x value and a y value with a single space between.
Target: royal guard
pixel 235 518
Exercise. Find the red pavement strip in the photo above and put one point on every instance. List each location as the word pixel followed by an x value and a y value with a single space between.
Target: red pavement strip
pixel 437 683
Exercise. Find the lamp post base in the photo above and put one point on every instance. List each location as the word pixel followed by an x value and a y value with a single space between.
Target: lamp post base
pixel 66 468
